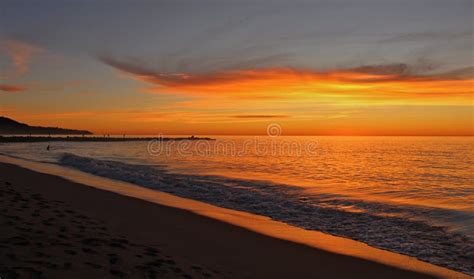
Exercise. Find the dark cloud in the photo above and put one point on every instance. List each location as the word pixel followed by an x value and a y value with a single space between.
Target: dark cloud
pixel 420 71
pixel 402 71
pixel 11 88
pixel 165 79
pixel 129 67
pixel 384 69
pixel 248 61
pixel 461 73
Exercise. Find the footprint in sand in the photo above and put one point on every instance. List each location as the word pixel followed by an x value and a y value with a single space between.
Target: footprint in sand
pixel 94 265
pixel 89 251
pixel 113 259
pixel 70 252
pixel 117 273
pixel 151 251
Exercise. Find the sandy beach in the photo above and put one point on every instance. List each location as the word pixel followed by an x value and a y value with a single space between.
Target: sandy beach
pixel 236 139
pixel 52 228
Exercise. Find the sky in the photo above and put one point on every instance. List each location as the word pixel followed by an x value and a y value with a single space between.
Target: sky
pixel 235 67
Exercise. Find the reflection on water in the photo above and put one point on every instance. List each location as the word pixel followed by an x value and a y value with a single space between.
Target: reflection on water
pixel 408 194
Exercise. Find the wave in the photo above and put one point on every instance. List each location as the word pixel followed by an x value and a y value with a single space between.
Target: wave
pixel 387 226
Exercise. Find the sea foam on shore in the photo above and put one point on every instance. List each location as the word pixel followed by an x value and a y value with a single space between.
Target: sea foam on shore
pixel 378 224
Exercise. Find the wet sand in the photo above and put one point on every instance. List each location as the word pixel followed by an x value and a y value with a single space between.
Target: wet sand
pixel 55 228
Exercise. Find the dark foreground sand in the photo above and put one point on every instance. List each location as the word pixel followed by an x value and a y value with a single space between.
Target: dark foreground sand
pixel 54 228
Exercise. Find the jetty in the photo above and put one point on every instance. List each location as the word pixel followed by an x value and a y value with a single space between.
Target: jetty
pixel 12 139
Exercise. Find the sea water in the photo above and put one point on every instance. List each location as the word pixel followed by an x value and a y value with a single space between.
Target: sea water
pixel 411 195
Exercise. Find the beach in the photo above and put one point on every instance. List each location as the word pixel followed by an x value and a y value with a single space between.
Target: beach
pixel 55 228
pixel 389 196
pixel 230 139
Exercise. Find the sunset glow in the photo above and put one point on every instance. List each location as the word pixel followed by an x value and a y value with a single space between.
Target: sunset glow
pixel 237 139
pixel 241 87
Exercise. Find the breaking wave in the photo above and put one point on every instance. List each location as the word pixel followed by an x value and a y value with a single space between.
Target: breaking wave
pixel 399 228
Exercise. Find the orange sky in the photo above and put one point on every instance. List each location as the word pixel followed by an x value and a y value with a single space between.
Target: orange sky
pixel 179 68
pixel 359 101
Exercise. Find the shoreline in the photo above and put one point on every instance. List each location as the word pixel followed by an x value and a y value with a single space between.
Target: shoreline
pixel 231 249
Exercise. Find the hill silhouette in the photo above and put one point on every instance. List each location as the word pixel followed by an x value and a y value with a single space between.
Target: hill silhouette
pixel 12 127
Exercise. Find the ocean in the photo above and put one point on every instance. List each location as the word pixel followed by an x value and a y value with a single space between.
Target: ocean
pixel 410 195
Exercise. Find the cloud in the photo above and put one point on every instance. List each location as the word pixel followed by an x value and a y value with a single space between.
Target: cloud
pixel 385 69
pixel 259 116
pixel 11 88
pixel 427 36
pixel 419 72
pixel 20 53
pixel 396 81
pixel 461 73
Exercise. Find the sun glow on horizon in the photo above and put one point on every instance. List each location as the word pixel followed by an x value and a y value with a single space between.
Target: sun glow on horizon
pixel 234 71
pixel 342 102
